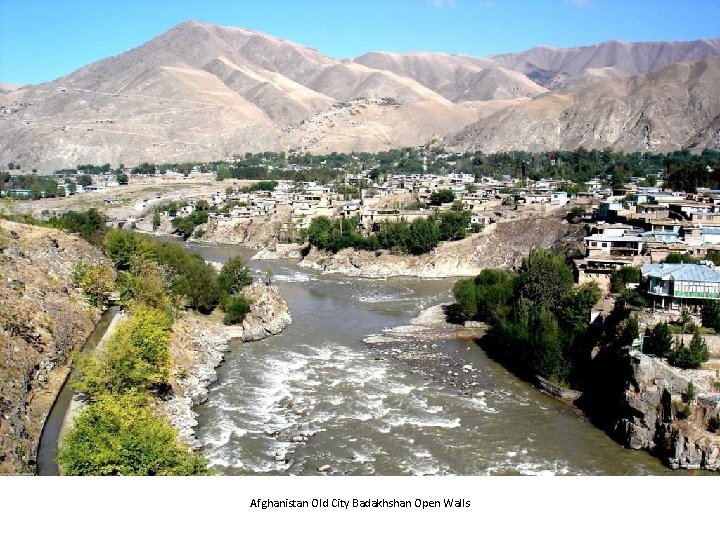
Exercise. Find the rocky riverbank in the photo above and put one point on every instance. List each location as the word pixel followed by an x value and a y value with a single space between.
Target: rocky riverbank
pixel 416 344
pixel 199 345
pixel 500 245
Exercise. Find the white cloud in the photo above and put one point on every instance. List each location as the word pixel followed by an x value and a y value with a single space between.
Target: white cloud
pixel 578 3
pixel 487 4
pixel 441 3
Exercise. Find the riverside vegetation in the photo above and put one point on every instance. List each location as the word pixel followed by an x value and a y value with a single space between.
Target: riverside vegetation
pixel 119 431
pixel 536 313
pixel 543 318
pixel 417 237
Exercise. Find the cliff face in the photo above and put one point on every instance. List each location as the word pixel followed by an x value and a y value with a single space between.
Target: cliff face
pixel 43 320
pixel 650 419
pixel 499 245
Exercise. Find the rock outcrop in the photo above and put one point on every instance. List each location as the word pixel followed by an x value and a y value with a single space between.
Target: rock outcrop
pixel 653 416
pixel 269 314
pixel 43 320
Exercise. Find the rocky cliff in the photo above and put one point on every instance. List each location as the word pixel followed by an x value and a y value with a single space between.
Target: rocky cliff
pixel 654 417
pixel 498 245
pixel 43 320
pixel 198 347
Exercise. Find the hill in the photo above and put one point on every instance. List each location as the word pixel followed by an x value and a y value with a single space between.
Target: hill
pixel 675 108
pixel 203 92
pixel 43 319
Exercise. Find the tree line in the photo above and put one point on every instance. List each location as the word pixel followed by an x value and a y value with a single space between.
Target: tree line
pixel 415 237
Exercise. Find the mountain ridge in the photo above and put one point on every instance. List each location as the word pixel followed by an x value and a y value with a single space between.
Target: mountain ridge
pixel 200 91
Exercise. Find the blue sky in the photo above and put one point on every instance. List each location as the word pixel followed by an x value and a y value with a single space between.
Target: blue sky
pixel 41 40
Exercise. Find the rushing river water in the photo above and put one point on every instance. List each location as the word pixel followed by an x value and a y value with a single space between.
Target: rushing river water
pixel 319 395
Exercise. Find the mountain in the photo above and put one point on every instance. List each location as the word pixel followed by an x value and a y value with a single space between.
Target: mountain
pixel 200 92
pixel 675 108
pixel 458 78
pixel 553 67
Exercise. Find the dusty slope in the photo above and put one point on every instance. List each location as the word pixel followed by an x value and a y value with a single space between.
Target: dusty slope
pixel 458 78
pixel 43 319
pixel 553 66
pixel 202 92
pixel 677 107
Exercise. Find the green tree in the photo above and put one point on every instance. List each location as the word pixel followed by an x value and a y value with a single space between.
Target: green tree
pixel 677 258
pixel 423 236
pixel 496 289
pixel 121 435
pixel 622 277
pixel 466 296
pixel 545 278
pixel 453 225
pixel 547 352
pixel 126 248
pixel 442 196
pixel 156 220
pixel 135 357
pixel 234 276
pixel 236 307
pixel 96 282
pixel 659 341
pixel 629 331
pixel 90 225
pixel 394 235
pixel 698 348
pixel 711 314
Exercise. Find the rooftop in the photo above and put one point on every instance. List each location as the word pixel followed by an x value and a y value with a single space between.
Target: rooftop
pixel 681 272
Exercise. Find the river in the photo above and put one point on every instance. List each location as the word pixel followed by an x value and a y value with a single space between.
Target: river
pixel 319 395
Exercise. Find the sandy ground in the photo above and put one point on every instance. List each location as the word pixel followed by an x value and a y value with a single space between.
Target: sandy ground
pixel 135 199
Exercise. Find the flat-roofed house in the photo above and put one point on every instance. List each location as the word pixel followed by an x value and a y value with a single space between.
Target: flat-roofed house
pixel 625 246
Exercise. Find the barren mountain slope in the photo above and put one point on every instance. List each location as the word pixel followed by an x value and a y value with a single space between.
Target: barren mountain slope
pixel 458 78
pixel 552 66
pixel 202 92
pixel 677 107
pixel 196 92
pixel 372 124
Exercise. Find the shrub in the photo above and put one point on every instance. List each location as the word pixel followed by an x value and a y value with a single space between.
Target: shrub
pixel 682 411
pixel 236 307
pixel 690 393
pixel 96 282
pixel 121 435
